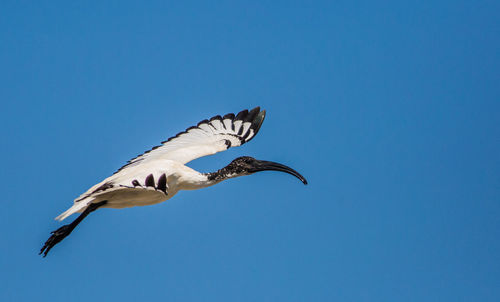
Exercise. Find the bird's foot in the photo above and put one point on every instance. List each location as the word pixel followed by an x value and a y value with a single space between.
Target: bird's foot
pixel 56 237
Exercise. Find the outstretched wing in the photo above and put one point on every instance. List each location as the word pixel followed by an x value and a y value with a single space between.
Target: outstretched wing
pixel 208 137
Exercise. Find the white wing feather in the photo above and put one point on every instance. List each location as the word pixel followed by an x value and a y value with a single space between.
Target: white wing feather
pixel 207 138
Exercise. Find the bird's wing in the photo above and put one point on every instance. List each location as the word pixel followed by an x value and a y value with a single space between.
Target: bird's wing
pixel 143 186
pixel 208 137
pixel 119 196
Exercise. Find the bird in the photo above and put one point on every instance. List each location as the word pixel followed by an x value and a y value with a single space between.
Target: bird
pixel 158 174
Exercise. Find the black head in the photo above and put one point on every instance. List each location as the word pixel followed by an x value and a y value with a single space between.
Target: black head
pixel 247 165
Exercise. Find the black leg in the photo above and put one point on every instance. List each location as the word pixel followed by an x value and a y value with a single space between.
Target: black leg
pixel 65 230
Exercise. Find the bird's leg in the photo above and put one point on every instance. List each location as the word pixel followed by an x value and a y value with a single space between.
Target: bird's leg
pixel 65 230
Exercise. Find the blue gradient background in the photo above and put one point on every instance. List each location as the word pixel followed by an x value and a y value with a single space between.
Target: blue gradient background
pixel 389 108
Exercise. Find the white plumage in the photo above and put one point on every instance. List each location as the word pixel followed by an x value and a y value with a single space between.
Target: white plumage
pixel 124 194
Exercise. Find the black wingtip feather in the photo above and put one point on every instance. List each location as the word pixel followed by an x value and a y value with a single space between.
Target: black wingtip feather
pixel 257 122
pixel 202 122
pixel 217 117
pixel 241 115
pixel 251 115
pixel 228 116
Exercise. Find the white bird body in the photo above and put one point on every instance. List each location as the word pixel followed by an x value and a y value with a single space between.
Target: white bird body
pixel 158 174
pixel 124 194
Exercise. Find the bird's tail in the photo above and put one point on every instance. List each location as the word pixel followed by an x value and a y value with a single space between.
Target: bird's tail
pixel 77 207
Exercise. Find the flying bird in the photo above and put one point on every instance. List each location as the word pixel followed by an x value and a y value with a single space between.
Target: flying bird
pixel 158 174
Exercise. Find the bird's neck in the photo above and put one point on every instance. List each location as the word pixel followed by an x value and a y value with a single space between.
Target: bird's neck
pixel 193 180
pixel 220 175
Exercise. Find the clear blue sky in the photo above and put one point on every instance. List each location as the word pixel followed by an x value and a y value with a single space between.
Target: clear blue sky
pixel 389 108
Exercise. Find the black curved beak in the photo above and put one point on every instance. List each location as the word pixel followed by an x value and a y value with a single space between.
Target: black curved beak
pixel 263 165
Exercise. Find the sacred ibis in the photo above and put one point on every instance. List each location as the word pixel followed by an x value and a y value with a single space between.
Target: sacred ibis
pixel 158 174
